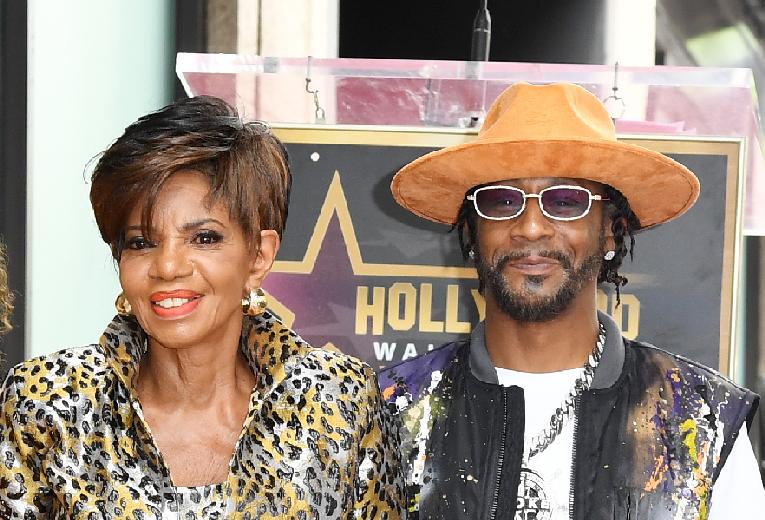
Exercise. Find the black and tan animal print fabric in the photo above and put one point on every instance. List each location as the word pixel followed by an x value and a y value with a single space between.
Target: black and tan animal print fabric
pixel 317 442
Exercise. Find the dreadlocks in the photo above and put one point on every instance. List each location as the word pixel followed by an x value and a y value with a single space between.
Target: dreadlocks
pixel 624 223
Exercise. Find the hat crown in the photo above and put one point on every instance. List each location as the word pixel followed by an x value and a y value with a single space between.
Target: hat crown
pixel 558 111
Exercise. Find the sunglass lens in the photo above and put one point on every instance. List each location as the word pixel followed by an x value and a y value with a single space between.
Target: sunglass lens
pixel 565 202
pixel 499 202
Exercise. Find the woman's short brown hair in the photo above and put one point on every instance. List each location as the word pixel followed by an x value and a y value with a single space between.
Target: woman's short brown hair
pixel 6 296
pixel 246 165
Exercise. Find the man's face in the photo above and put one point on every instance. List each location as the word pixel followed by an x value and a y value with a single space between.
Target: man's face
pixel 533 267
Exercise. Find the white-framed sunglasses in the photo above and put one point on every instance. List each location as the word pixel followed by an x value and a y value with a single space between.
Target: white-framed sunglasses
pixel 556 202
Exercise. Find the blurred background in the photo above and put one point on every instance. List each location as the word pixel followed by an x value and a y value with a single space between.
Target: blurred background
pixel 74 73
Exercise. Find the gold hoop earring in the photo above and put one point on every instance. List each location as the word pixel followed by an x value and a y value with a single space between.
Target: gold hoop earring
pixel 123 305
pixel 254 303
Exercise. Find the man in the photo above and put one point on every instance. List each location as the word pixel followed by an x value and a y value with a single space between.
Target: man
pixel 547 412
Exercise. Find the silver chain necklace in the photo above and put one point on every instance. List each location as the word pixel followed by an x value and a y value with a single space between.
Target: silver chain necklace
pixel 568 407
pixel 532 498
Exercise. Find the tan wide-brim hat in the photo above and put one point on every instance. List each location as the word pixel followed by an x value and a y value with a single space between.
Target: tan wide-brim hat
pixel 557 130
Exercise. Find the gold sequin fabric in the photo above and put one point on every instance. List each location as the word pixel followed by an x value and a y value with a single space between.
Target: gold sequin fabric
pixel 317 442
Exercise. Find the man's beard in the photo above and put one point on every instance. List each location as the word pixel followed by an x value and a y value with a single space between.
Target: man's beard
pixel 524 305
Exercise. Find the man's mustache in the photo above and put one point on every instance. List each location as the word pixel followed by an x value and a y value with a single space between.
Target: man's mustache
pixel 559 256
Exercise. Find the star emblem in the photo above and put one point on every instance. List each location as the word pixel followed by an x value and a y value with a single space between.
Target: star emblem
pixel 318 295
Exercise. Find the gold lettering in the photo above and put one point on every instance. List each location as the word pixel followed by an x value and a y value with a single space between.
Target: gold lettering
pixel 626 314
pixel 396 320
pixel 452 311
pixel 427 323
pixel 631 307
pixel 366 310
pixel 480 304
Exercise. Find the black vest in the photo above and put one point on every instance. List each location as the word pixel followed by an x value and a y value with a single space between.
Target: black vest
pixel 652 433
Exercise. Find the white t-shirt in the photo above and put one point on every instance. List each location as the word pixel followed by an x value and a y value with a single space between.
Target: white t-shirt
pixel 742 499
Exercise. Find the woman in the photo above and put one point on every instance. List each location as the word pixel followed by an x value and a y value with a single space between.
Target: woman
pixel 197 402
pixel 6 296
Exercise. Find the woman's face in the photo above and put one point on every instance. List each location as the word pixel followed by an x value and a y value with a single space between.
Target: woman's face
pixel 185 285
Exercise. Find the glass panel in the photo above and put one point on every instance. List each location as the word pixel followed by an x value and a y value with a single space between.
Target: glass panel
pixel 688 101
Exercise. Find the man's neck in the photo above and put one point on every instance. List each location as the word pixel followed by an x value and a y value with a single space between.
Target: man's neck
pixel 550 346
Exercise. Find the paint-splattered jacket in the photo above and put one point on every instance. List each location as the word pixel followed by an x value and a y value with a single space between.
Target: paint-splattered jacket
pixel 651 435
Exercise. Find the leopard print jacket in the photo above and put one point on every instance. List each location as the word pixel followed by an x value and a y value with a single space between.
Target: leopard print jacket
pixel 317 442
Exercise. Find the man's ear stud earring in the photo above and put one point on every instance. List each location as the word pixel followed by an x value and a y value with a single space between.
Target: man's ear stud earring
pixel 609 255
pixel 471 254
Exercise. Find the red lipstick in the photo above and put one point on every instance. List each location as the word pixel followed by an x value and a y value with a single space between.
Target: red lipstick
pixel 174 304
pixel 179 293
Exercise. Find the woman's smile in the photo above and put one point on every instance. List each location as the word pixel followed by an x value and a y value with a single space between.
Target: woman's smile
pixel 175 304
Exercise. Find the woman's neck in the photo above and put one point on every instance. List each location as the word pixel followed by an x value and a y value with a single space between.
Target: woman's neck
pixel 197 376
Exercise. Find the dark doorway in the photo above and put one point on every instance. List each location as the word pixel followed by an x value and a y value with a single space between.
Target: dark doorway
pixel 558 31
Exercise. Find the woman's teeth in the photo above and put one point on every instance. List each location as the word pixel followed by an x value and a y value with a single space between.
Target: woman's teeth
pixel 169 303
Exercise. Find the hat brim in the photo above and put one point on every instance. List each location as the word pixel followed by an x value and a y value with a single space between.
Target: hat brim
pixel 657 187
